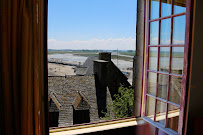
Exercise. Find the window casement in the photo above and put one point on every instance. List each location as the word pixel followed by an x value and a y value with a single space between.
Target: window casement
pixel 166 63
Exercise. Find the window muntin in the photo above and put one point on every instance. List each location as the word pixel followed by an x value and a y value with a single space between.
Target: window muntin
pixel 166 90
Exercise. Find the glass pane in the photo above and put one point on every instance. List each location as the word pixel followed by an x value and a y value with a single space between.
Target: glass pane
pixel 162 86
pixel 161 112
pixel 179 6
pixel 164 59
pixel 179 30
pixel 175 89
pixel 151 86
pixel 173 117
pixel 177 60
pixel 165 8
pixel 154 30
pixel 153 56
pixel 150 107
pixel 154 9
pixel 165 32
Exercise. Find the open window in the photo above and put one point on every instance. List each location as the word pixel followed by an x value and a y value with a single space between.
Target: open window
pixel 24 95
pixel 166 64
pixel 91 46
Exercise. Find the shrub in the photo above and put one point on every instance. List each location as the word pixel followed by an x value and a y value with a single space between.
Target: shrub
pixel 122 105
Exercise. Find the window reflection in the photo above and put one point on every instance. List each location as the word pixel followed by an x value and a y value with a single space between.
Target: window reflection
pixel 150 107
pixel 179 29
pixel 153 55
pixel 165 32
pixel 161 112
pixel 154 9
pixel 165 8
pixel 168 30
pixel 177 60
pixel 162 86
pixel 151 86
pixel 154 30
pixel 173 117
pixel 164 59
pixel 179 6
pixel 175 89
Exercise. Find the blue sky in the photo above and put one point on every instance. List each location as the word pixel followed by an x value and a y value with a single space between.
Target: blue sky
pixel 178 24
pixel 106 24
pixel 92 24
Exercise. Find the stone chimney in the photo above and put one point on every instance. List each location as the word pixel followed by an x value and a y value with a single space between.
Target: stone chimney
pixel 107 75
pixel 105 56
pixel 100 69
pixel 100 72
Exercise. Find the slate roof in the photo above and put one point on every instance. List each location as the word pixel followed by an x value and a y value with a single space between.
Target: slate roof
pixel 80 102
pixel 65 90
pixel 81 71
pixel 89 64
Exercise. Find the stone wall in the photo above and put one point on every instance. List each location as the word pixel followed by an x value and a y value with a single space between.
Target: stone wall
pixel 138 58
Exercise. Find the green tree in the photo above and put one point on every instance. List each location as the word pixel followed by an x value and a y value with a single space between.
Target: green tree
pixel 129 50
pixel 122 105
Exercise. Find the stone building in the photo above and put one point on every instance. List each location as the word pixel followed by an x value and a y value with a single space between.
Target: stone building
pixel 71 99
pixel 83 98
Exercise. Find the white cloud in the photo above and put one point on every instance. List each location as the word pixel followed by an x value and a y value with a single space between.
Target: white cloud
pixel 100 44
pixel 154 41
pixel 175 41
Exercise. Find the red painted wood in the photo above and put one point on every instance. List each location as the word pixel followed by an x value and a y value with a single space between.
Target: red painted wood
pixel 165 73
pixel 156 124
pixel 185 82
pixel 171 41
pixel 172 103
pixel 157 77
pixel 184 76
pixel 163 100
pixel 166 17
pixel 180 45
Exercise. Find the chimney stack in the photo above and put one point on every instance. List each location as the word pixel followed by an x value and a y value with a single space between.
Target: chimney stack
pixel 105 56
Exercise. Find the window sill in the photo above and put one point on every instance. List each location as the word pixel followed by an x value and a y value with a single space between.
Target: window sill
pixel 161 116
pixel 95 127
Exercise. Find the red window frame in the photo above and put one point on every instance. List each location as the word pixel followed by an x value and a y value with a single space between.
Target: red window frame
pixel 184 76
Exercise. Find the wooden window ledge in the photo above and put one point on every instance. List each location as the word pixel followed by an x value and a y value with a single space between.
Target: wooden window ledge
pixel 95 127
